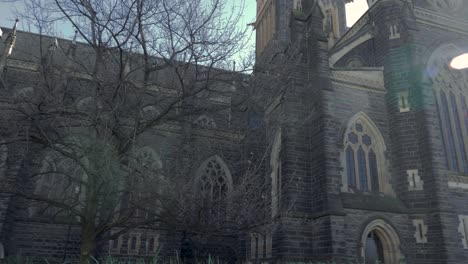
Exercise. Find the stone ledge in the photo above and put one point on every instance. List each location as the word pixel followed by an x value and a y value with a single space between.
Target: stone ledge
pixel 373 203
pixel 457 181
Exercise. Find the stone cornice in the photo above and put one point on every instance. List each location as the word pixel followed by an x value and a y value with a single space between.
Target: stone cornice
pixel 441 21
pixel 367 79
pixel 214 134
pixel 22 65
pixel 456 181
pixel 352 32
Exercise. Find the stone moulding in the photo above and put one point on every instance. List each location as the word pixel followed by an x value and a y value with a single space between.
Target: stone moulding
pixel 456 181
pixel 363 21
pixel 23 65
pixel 363 79
pixel 434 19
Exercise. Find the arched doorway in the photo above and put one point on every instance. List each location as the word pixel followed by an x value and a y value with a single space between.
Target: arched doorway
pixel 374 249
pixel 380 244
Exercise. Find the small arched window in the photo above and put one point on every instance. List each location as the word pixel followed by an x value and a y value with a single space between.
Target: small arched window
pixel 133 243
pixel 364 157
pixel 450 93
pixel 152 244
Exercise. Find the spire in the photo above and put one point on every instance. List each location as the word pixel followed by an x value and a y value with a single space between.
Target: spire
pixel 74 38
pixel 72 49
pixel 10 41
pixel 9 45
pixel 127 63
pixel 54 45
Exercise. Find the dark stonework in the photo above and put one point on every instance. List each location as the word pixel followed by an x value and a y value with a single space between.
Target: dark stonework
pixel 310 92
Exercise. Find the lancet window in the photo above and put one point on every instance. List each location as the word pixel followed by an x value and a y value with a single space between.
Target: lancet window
pixel 364 159
pixel 450 92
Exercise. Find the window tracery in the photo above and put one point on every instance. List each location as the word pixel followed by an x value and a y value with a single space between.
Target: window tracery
pixel 149 183
pixel 58 180
pixel 214 179
pixel 205 121
pixel 214 184
pixel 450 92
pixel 364 157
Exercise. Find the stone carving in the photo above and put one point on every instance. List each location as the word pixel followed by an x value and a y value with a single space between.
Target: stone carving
pixel 205 121
pixel 298 5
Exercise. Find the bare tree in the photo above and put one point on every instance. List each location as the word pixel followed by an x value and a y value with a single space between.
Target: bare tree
pixel 134 66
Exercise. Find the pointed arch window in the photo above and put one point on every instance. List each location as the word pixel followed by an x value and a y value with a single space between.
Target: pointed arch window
pixel 351 169
pixel 364 157
pixel 214 179
pixel 214 183
pixel 362 170
pixel 148 183
pixel 58 181
pixel 450 91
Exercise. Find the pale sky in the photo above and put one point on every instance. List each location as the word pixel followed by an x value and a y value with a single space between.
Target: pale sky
pixel 353 12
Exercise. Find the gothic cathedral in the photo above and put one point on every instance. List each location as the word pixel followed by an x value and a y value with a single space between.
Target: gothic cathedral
pixel 368 131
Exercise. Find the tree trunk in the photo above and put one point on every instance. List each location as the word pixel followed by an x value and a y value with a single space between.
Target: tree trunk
pixel 88 226
pixel 88 243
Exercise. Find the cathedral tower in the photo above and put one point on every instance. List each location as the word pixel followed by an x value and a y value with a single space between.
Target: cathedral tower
pixel 273 18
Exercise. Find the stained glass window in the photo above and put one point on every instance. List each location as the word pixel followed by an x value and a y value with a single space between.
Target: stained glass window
pixel 353 138
pixel 215 182
pixel 362 170
pixel 458 129
pixel 374 173
pixel 439 117
pixel 133 243
pixel 351 171
pixel 364 155
pixel 452 115
pixel 449 133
